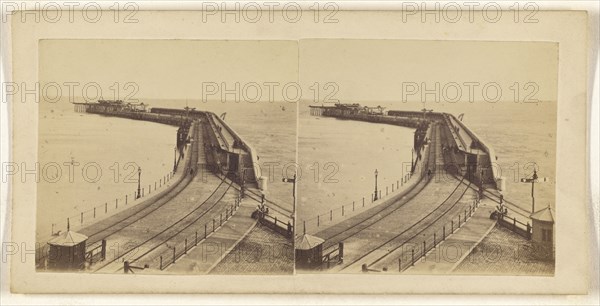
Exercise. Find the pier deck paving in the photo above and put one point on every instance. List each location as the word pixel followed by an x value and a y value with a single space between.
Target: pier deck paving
pixel 207 254
pixel 201 198
pixel 448 254
pixel 263 251
pixel 376 233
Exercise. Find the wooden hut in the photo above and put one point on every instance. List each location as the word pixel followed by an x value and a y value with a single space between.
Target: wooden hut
pixel 309 251
pixel 67 251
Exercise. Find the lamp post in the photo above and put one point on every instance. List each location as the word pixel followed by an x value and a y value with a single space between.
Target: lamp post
pixel 174 159
pixel 139 180
pixel 293 216
pixel 534 179
pixel 376 173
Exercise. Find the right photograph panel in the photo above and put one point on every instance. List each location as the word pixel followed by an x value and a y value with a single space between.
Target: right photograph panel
pixel 426 157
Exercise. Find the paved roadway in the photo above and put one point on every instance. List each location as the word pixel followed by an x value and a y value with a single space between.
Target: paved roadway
pixel 375 237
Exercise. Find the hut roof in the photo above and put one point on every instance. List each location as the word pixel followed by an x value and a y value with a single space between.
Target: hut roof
pixel 543 215
pixel 68 238
pixel 307 242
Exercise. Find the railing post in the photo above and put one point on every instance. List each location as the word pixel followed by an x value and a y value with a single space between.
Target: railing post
pixel 352 205
pixel 105 207
pixel 444 232
pixel 434 240
pixel 185 246
pixel 196 238
pixel 363 201
pixel 413 257
pixel 82 218
pixel 220 219
pixel 397 184
pixel 94 212
pixel 213 225
pixel 400 263
pixel 103 249
pixel 386 190
pixel 458 220
pixel 342 210
pixel 161 262
pixel 452 224
pixel 331 215
pixel 514 224
pixel 205 226
pixel 173 254
pixel 154 185
pixel 116 203
pixel 424 246
pixel 318 220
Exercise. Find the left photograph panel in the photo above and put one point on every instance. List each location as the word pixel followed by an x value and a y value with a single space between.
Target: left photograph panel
pixel 167 156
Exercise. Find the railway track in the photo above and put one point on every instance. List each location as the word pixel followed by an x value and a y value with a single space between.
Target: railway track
pixel 380 213
pixel 448 207
pixel 137 251
pixel 161 200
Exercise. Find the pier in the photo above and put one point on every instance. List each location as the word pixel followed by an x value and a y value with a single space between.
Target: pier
pixel 452 184
pixel 190 224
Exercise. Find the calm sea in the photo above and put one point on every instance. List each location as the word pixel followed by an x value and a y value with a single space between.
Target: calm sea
pixel 105 152
pixel 337 158
pixel 521 134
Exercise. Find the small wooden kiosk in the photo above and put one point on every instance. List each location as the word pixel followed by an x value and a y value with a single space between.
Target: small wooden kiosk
pixel 309 251
pixel 543 232
pixel 67 251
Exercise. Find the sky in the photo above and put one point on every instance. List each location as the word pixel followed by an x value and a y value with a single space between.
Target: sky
pixel 392 70
pixel 168 69
pixel 365 71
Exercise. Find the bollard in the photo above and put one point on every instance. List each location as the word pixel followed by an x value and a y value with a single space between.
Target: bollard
pixel 304 224
pixel 105 207
pixel 81 218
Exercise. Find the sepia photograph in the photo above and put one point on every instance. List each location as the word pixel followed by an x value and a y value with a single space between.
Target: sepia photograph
pixel 298 152
pixel 429 157
pixel 161 163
